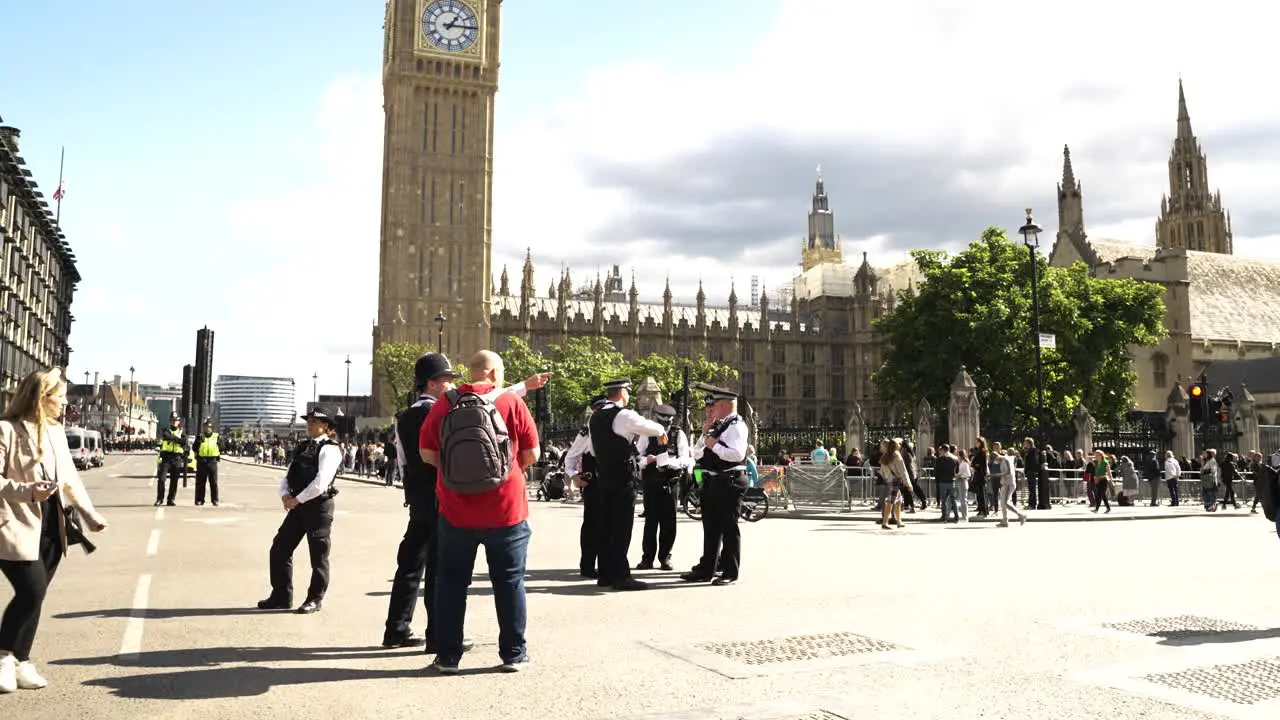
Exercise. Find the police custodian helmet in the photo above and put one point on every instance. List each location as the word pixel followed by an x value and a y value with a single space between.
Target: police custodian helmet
pixel 431 366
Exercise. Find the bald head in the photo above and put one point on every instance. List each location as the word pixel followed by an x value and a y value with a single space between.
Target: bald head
pixel 486 367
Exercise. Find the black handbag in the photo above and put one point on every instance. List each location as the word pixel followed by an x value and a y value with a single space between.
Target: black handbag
pixel 71 521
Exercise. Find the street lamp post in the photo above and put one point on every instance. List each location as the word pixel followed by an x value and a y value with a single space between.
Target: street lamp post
pixel 440 321
pixel 129 427
pixel 346 399
pixel 1031 238
pixel 315 378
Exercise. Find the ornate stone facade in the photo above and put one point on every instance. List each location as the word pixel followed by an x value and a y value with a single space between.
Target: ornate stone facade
pixel 38 274
pixel 1218 305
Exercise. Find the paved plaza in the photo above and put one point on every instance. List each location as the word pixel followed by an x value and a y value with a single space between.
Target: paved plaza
pixel 1167 618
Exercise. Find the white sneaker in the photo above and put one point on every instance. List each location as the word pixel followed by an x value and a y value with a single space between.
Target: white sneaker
pixel 29 678
pixel 8 674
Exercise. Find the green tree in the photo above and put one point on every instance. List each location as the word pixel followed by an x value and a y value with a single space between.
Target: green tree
pixel 974 310
pixel 393 362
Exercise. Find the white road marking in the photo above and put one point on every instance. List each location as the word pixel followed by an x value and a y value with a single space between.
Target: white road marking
pixel 214 521
pixel 153 543
pixel 159 513
pixel 132 643
pixel 117 475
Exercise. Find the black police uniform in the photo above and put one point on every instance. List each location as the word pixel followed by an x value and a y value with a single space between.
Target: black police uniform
pixel 172 464
pixel 313 520
pixel 615 476
pixel 661 488
pixel 416 558
pixel 723 485
pixel 590 534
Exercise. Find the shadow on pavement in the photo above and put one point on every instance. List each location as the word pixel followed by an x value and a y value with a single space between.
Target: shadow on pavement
pixel 213 657
pixel 1183 639
pixel 581 586
pixel 165 613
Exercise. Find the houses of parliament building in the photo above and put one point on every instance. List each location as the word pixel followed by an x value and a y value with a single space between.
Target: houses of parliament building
pixel 800 361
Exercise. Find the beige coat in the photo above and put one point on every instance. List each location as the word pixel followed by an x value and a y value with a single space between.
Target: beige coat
pixel 20 518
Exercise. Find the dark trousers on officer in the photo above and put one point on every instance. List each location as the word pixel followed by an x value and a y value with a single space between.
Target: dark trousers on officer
pixel 590 535
pixel 206 474
pixel 659 521
pixel 721 504
pixel 415 565
pixel 617 520
pixel 312 520
pixel 171 465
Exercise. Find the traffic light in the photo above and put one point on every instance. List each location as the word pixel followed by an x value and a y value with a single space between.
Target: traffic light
pixel 1222 405
pixel 1197 397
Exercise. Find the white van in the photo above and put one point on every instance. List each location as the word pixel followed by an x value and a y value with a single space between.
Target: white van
pixel 97 455
pixel 78 443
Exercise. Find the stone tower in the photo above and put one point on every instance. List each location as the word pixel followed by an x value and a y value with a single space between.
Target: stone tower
pixel 439 78
pixel 1191 217
pixel 821 245
pixel 1070 203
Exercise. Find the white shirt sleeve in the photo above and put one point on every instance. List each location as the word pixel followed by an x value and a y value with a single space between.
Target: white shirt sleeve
pixel 519 389
pixel 629 423
pixel 573 457
pixel 732 445
pixel 683 458
pixel 284 486
pixel 642 447
pixel 395 436
pixel 330 461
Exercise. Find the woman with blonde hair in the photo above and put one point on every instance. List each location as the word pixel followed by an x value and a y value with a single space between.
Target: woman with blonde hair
pixel 38 480
pixel 894 471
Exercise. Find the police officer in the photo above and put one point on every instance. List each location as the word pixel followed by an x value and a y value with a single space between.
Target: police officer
pixel 662 465
pixel 307 495
pixel 173 458
pixel 721 456
pixel 207 458
pixel 416 557
pixel 580 464
pixel 613 430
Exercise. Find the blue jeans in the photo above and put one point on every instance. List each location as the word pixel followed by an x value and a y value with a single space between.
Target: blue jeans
pixel 506 550
pixel 947 499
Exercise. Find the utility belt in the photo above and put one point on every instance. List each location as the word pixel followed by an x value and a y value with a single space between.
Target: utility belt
pixel 663 477
pixel 725 475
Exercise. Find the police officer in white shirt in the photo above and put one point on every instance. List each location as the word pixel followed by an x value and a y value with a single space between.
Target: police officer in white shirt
pixel 613 432
pixel 580 464
pixel 307 495
pixel 661 467
pixel 721 456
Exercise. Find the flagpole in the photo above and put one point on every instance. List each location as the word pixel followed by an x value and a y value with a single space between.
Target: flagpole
pixel 62 163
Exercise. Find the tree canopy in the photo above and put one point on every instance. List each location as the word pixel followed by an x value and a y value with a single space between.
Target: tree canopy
pixel 974 310
pixel 393 362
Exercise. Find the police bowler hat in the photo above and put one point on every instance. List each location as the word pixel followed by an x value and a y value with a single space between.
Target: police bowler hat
pixel 431 366
pixel 320 413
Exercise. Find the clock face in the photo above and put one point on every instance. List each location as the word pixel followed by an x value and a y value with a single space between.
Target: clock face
pixel 450 25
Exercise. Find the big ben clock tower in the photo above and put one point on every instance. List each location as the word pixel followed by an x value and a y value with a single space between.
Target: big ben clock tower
pixel 439 78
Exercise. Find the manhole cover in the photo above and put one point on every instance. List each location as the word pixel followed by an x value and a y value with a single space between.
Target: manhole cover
pixel 1247 683
pixel 819 715
pixel 798 648
pixel 1179 626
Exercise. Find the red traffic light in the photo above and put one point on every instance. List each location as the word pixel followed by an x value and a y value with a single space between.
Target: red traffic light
pixel 1197 391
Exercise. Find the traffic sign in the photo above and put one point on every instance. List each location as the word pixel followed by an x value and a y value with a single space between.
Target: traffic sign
pixel 1049 341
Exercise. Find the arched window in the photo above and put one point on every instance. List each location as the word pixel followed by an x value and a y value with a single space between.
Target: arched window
pixel 1160 370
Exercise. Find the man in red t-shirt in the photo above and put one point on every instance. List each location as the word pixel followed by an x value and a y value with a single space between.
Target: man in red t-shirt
pixel 496 519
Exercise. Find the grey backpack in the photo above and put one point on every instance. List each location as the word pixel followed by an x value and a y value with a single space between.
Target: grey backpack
pixel 475 449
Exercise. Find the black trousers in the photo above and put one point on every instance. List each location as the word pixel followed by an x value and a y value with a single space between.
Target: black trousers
pixel 1175 492
pixel 207 473
pixel 721 505
pixel 311 520
pixel 30 580
pixel 1033 490
pixel 590 534
pixel 415 563
pixel 980 491
pixel 659 521
pixel 173 466
pixel 617 521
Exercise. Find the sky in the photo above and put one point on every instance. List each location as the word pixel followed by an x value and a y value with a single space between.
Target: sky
pixel 223 165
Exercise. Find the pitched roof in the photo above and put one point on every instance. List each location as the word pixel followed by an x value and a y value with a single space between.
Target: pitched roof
pixel 1261 375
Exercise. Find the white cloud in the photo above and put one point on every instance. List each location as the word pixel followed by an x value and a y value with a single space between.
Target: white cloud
pixel 952 79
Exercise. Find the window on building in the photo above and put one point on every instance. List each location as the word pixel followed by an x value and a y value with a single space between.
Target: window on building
pixel 807 354
pixel 1160 370
pixel 809 387
pixel 779 389
pixel 837 356
pixel 715 352
pixel 780 354
pixel 748 384
pixel 810 416
pixel 748 352
pixel 837 387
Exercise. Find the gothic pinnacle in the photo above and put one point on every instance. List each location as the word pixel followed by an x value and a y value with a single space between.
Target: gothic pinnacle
pixel 1068 173
pixel 1184 117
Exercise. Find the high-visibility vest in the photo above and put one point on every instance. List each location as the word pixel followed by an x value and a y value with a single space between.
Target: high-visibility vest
pixel 168 446
pixel 208 446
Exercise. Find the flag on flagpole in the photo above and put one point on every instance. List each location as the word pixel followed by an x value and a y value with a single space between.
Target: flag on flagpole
pixel 61 192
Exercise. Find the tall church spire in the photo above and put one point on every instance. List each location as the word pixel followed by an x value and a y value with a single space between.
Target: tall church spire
pixel 1070 203
pixel 1191 215
pixel 821 244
